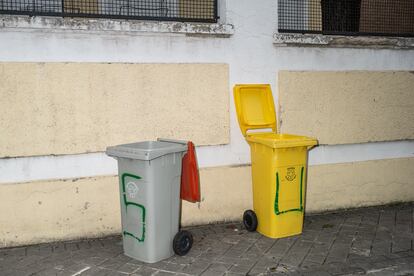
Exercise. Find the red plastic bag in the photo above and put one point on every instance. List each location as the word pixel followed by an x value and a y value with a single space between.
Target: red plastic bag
pixel 190 179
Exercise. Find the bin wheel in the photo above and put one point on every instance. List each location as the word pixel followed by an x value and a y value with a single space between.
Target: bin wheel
pixel 250 220
pixel 183 241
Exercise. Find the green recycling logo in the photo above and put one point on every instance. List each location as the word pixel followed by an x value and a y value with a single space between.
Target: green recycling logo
pixel 132 189
pixel 290 174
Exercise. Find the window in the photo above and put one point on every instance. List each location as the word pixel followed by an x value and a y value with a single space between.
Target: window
pixel 176 10
pixel 347 17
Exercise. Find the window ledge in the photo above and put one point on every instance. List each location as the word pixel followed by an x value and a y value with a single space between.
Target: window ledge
pixel 113 25
pixel 319 40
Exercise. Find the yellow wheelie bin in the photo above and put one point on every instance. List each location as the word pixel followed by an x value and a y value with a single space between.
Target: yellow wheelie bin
pixel 279 165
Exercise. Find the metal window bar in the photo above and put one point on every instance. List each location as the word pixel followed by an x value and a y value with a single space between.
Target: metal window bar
pixel 159 10
pixel 347 17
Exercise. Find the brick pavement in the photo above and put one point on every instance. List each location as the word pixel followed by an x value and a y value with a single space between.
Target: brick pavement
pixel 367 241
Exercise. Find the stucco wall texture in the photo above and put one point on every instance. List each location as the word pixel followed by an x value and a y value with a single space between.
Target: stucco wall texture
pixel 347 107
pixel 66 108
pixel 357 184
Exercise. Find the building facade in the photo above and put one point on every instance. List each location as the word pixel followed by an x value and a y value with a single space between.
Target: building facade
pixel 72 86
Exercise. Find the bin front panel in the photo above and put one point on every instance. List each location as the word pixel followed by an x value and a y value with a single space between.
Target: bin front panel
pixel 279 183
pixel 289 189
pixel 150 205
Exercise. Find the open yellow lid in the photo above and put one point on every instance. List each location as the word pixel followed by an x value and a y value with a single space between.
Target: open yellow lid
pixel 254 106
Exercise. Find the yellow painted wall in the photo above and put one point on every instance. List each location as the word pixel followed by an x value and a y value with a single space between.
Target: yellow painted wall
pixel 226 194
pixel 352 185
pixel 42 211
pixel 60 210
pixel 347 107
pixel 65 108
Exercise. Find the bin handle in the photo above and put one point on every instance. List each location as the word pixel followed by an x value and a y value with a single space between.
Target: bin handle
pixel 172 141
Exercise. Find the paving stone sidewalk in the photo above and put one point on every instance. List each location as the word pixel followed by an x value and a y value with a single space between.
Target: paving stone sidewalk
pixel 368 241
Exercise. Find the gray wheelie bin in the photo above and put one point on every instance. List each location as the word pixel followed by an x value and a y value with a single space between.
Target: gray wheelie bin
pixel 149 181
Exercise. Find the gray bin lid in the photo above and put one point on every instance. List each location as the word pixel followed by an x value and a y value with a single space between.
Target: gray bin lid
pixel 147 150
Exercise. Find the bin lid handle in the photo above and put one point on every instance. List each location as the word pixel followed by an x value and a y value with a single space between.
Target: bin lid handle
pixel 172 141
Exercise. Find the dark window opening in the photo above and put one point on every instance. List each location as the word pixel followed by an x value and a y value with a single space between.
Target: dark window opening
pixel 347 17
pixel 170 10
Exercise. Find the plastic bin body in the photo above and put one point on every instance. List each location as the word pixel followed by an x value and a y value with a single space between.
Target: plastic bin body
pixel 150 199
pixel 279 185
pixel 279 164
